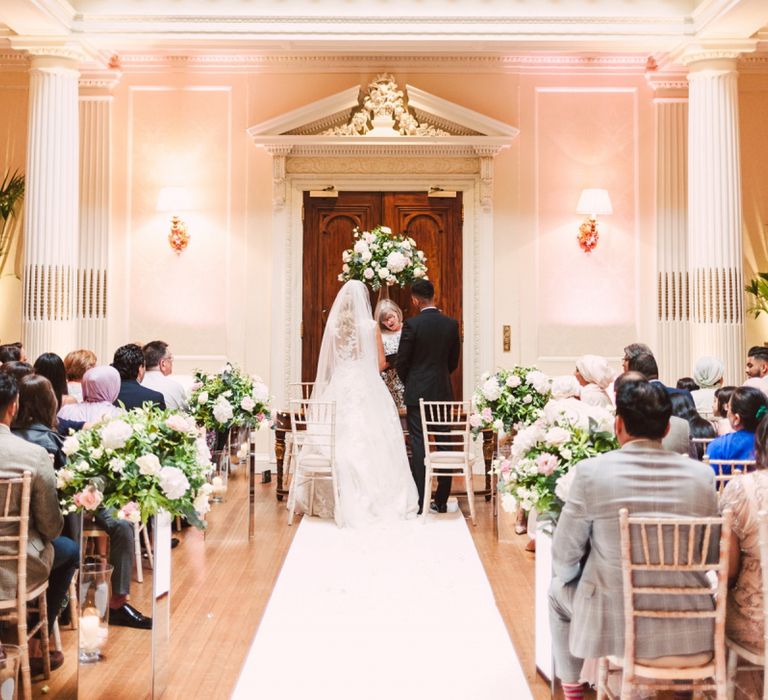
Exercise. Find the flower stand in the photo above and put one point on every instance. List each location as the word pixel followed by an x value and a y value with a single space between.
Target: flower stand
pixel 543 640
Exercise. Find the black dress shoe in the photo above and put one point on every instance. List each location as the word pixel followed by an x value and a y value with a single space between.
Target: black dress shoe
pixel 434 508
pixel 127 616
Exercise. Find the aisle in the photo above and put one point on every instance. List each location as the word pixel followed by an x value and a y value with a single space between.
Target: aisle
pixel 397 611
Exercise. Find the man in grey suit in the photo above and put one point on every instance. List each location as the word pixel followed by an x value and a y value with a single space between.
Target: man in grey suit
pixel 49 556
pixel 586 603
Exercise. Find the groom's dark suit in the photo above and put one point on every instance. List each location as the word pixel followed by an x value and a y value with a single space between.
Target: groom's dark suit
pixel 428 353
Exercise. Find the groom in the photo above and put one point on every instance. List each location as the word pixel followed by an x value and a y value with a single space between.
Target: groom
pixel 428 353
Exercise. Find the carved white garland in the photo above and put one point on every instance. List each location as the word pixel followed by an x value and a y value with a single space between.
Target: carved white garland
pixel 384 104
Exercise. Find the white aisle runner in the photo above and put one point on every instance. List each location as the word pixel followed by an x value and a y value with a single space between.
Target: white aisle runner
pixel 395 612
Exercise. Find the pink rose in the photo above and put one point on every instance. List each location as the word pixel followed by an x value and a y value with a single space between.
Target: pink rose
pixel 89 498
pixel 504 468
pixel 547 463
pixel 487 414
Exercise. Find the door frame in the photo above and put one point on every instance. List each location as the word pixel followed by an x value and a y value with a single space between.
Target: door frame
pixel 287 268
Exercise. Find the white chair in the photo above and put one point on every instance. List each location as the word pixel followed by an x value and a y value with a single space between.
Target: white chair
pixel 314 452
pixel 667 546
pixel 726 469
pixel 737 651
pixel 447 447
pixel 14 524
pixel 297 391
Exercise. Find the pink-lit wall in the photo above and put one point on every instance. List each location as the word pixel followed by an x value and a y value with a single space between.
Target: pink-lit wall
pixel 576 131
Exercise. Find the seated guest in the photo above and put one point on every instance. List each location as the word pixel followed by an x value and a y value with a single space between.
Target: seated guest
pixel 720 409
pixel 101 385
pixel 631 352
pixel 77 363
pixel 686 384
pixel 745 411
pixel 647 366
pixel 678 437
pixel 36 419
pixel 17 369
pixel 10 352
pixel 158 361
pixel 129 362
pixel 698 427
pixel 51 366
pixel 49 556
pixel 594 375
pixel 586 593
pixel 745 496
pixel 708 374
pixel 757 368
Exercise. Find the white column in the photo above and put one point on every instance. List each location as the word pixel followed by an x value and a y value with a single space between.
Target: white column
pixel 95 211
pixel 673 344
pixel 714 211
pixel 51 202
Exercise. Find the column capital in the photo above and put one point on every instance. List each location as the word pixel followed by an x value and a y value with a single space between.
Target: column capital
pixel 716 54
pixel 98 83
pixel 51 53
pixel 667 85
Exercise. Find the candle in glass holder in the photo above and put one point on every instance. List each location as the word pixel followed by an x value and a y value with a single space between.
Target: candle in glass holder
pixel 92 633
pixel 219 485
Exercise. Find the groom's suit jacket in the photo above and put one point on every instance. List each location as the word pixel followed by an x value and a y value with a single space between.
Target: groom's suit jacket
pixel 428 353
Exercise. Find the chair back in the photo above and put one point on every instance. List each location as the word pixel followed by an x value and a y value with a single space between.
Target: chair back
pixel 654 551
pixel 726 469
pixel 446 425
pixel 14 526
pixel 298 391
pixel 314 428
pixel 700 445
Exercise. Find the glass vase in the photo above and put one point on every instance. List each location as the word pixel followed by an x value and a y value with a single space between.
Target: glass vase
pixel 95 593
pixel 221 460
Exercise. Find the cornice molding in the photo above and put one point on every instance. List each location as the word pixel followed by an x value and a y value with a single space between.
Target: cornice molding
pixel 367 146
pixel 41 47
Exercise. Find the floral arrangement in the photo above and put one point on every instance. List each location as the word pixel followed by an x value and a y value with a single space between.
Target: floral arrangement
pixel 536 474
pixel 138 463
pixel 229 398
pixel 379 257
pixel 508 399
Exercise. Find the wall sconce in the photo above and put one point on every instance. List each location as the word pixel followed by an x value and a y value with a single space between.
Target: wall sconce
pixel 593 203
pixel 175 200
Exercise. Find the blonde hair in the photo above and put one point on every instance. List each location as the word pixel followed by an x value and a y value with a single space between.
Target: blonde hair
pixel 77 363
pixel 384 307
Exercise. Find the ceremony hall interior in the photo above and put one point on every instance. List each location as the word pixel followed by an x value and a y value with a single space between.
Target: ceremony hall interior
pixel 578 176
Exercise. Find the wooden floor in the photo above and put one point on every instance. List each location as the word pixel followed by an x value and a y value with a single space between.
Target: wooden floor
pixel 220 587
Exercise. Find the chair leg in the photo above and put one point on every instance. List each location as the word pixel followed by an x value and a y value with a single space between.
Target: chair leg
pixel 427 491
pixel 56 635
pixel 470 494
pixel 602 678
pixel 74 605
pixel 732 670
pixel 42 605
pixel 148 547
pixel 26 676
pixel 137 552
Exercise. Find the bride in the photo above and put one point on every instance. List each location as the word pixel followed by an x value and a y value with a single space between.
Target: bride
pixel 374 478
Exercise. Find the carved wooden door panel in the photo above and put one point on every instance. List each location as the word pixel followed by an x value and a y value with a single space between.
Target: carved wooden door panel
pixel 434 223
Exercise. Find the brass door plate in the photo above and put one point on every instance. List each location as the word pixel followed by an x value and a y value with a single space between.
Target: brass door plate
pixel 507 336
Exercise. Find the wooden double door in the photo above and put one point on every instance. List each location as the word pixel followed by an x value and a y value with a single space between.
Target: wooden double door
pixel 434 223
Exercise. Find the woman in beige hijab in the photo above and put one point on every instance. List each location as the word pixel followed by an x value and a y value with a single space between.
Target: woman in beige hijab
pixel 595 376
pixel 708 374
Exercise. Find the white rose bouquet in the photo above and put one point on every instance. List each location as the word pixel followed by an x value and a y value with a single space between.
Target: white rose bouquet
pixel 510 398
pixel 380 257
pixel 138 463
pixel 229 398
pixel 536 474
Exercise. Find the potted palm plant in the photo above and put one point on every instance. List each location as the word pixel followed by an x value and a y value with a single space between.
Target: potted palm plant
pixel 11 196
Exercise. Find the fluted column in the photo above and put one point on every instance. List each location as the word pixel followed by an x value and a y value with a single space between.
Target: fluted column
pixel 673 342
pixel 95 210
pixel 714 209
pixel 51 204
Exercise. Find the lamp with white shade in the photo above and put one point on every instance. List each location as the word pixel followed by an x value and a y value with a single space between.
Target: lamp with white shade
pixel 175 200
pixel 592 203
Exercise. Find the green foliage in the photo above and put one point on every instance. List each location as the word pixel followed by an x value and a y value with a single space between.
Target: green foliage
pixel 758 288
pixel 11 196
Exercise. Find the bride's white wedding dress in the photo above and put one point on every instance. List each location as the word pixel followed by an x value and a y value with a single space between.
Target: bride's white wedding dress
pixel 374 477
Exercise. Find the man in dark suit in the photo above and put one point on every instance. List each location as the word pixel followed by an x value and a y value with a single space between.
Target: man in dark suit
pixel 428 353
pixel 129 362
